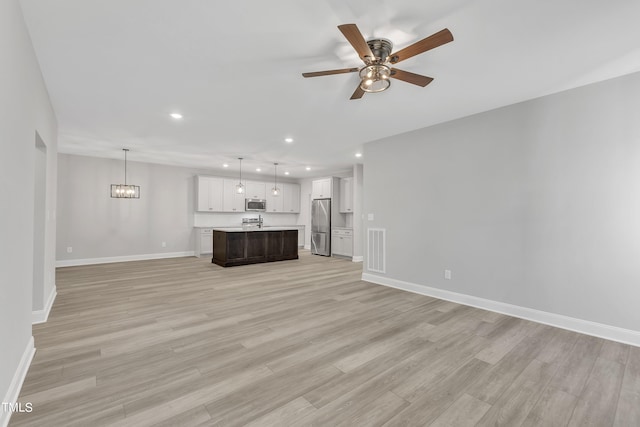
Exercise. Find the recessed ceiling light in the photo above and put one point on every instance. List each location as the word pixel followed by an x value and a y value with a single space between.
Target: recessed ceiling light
pixel 176 115
pixel 286 173
pixel 308 168
pixel 225 165
pixel 358 154
pixel 289 140
pixel 258 169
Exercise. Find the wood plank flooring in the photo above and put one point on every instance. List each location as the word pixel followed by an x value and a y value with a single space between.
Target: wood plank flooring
pixel 295 343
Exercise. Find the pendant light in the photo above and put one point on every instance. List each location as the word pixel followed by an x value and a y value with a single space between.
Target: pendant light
pixel 240 186
pixel 125 191
pixel 275 191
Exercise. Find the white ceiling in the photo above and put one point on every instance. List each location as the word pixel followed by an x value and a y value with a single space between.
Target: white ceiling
pixel 115 70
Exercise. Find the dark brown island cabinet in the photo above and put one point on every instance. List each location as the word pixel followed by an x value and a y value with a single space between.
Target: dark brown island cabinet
pixel 237 246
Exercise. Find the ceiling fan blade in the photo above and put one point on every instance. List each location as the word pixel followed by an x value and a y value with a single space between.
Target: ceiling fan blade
pixel 329 72
pixel 354 36
pixel 406 76
pixel 358 93
pixel 431 42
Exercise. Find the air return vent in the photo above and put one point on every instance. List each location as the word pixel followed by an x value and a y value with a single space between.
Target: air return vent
pixel 375 249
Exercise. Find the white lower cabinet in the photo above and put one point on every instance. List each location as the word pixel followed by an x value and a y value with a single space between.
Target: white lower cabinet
pixel 204 241
pixel 342 242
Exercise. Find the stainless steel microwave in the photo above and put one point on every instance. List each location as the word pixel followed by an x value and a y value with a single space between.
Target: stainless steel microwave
pixel 255 205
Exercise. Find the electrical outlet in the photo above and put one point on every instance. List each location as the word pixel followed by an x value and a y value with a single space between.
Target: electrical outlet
pixel 69 249
pixel 164 244
pixel 447 274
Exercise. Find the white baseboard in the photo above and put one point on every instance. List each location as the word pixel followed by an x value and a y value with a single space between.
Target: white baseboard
pixel 358 258
pixel 41 316
pixel 307 247
pixel 107 260
pixel 613 333
pixel 17 381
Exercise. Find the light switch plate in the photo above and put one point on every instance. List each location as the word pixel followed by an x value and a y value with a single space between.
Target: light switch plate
pixel 370 217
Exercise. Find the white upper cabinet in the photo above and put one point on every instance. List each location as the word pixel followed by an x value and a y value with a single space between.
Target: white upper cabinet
pixel 232 201
pixel 215 194
pixel 256 190
pixel 287 202
pixel 346 195
pixel 209 191
pixel 290 198
pixel 321 188
pixel 275 203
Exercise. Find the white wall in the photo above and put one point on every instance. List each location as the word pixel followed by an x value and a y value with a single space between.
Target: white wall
pixel 535 204
pixel 305 210
pixel 96 226
pixel 25 109
pixel 357 217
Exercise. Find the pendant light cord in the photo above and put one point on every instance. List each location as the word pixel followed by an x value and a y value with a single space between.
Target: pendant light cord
pixel 125 165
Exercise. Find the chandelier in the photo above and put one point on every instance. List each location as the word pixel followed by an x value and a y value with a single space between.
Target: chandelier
pixel 125 191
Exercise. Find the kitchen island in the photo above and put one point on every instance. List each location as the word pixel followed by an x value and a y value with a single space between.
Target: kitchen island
pixel 241 245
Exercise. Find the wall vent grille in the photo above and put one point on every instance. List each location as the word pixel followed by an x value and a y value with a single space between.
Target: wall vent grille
pixel 376 249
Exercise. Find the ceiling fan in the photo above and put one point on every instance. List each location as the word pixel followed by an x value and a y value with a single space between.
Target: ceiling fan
pixel 377 57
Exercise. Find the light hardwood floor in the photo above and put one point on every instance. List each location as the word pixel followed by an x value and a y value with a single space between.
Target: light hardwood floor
pixel 306 342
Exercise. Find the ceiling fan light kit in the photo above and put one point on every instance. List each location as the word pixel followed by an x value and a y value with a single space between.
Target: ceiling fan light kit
pixel 375 78
pixel 377 57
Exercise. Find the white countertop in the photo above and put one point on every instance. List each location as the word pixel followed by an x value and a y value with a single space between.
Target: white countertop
pixel 270 227
pixel 241 229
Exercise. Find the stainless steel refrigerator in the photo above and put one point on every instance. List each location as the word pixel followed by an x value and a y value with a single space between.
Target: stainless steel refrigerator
pixel 321 227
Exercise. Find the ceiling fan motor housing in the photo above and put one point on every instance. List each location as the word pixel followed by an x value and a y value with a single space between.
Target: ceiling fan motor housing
pixel 381 49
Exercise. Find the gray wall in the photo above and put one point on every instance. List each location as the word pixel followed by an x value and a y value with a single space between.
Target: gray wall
pixel 25 109
pixel 97 226
pixel 536 204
